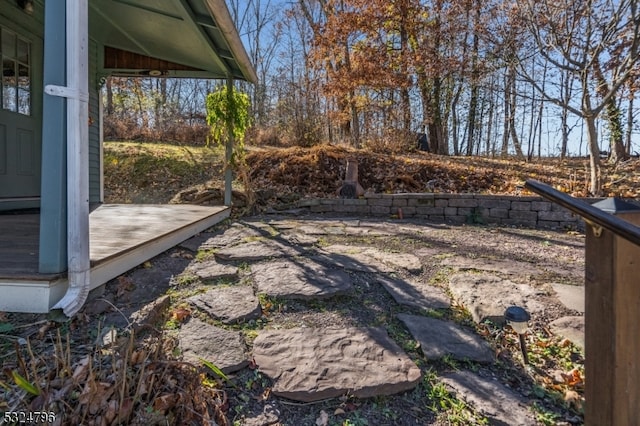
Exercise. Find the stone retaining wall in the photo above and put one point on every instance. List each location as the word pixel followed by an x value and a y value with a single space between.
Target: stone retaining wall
pixel 454 208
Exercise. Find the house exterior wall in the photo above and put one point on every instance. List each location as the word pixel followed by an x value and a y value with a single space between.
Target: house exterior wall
pixel 95 146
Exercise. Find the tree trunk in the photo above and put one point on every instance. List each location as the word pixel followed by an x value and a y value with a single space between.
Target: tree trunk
pixel 612 116
pixel 594 157
pixel 109 90
pixel 512 113
pixel 404 47
pixel 355 125
pixel 436 130
pixel 473 105
pixel 507 104
pixel 454 121
pixel 616 147
pixel 488 142
pixel 629 126
pixel 475 74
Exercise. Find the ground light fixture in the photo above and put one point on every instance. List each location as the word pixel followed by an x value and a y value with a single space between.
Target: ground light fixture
pixel 518 319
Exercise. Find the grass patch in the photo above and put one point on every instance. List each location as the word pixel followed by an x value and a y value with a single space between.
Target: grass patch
pixel 155 172
pixel 204 254
pixel 186 279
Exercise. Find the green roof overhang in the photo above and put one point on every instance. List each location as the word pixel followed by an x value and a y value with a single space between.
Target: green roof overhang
pixel 175 38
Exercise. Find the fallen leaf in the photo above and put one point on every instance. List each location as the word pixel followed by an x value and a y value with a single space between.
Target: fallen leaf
pixel 111 411
pixel 81 369
pixel 323 419
pixel 165 402
pixel 125 285
pixel 573 399
pixel 180 314
pixel 138 356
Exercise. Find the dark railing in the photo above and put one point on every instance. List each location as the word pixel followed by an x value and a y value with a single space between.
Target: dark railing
pixel 612 314
pixel 590 213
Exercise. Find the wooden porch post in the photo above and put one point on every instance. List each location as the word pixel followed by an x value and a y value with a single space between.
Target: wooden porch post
pixel 612 307
pixel 612 317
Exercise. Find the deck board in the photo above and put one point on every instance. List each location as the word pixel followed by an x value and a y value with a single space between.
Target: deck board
pixel 121 237
pixel 115 229
pixel 19 244
pixel 118 228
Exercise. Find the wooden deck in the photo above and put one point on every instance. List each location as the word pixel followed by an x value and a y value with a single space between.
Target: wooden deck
pixel 122 236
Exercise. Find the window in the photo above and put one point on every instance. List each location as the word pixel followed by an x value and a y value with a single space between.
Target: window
pixel 15 91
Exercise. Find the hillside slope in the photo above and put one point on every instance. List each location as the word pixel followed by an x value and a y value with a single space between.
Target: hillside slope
pixel 157 173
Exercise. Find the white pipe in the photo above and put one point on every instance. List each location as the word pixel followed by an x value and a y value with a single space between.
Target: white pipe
pixel 77 94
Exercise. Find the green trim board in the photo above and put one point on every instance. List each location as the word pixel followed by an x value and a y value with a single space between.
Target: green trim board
pixel 53 208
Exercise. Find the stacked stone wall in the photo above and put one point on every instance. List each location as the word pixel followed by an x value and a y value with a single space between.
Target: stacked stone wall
pixel 535 212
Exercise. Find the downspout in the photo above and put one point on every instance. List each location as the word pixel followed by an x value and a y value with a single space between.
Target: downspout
pixel 77 94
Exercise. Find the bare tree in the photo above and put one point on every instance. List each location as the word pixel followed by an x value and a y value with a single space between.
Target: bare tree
pixel 577 37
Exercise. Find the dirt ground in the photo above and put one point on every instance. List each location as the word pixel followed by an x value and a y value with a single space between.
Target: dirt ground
pixel 136 376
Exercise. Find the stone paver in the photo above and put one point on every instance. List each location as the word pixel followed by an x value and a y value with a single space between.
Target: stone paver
pixel 439 338
pixel 269 416
pixel 351 262
pixel 225 349
pixel 354 258
pixel 228 304
pixel 299 239
pixel 236 234
pixel 377 259
pixel 313 364
pixel 509 267
pixel 501 405
pixel 353 227
pixel 300 279
pixel 487 296
pixel 210 270
pixel 261 249
pixel 571 328
pixel 571 296
pixel 418 295
pixel 196 242
pixel 150 314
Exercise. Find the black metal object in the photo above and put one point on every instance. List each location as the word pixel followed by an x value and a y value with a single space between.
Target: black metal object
pixel 516 314
pixel 590 213
pixel 423 142
pixel 348 190
pixel 615 206
pixel 523 348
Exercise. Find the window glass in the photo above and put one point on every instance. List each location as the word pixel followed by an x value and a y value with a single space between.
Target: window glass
pixel 24 90
pixel 23 51
pixel 9 84
pixel 15 89
pixel 8 43
pixel 24 102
